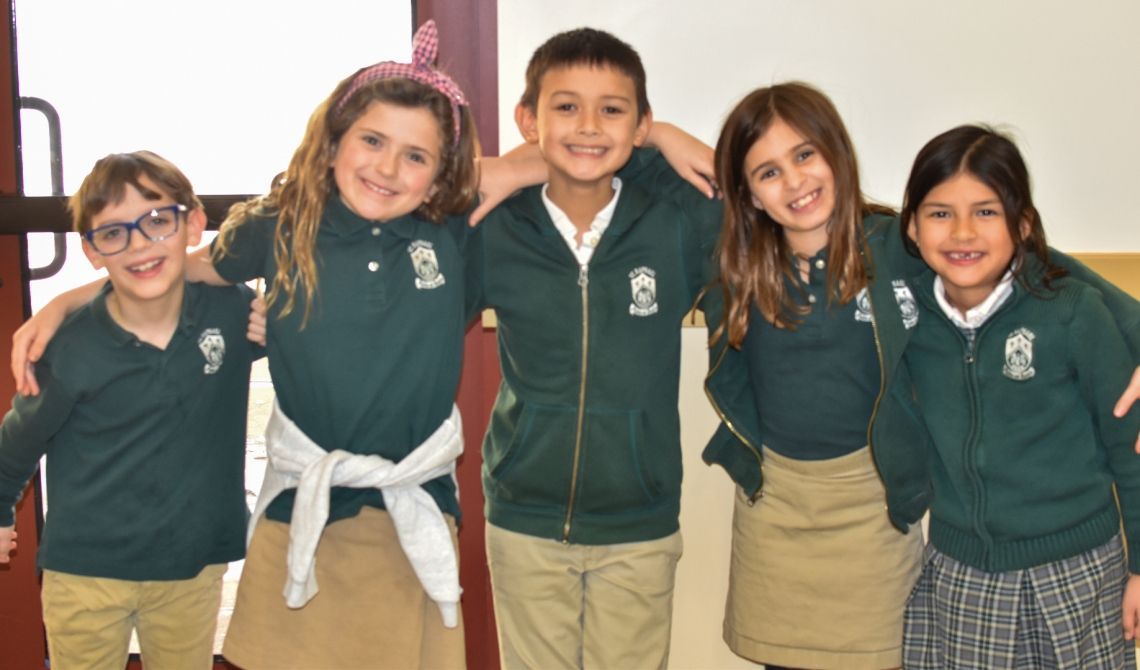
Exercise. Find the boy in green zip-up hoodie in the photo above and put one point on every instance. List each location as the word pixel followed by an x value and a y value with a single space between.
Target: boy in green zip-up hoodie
pixel 590 278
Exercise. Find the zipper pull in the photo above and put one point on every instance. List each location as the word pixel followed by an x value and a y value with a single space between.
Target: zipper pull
pixel 583 272
pixel 971 344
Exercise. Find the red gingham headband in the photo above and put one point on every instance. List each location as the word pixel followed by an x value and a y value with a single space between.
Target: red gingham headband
pixel 425 47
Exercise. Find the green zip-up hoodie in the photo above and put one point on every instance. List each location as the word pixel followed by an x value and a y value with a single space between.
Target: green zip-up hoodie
pixel 1025 447
pixel 583 444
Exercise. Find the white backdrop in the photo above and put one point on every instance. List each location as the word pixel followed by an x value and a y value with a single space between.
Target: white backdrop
pixel 1061 76
pixel 1054 72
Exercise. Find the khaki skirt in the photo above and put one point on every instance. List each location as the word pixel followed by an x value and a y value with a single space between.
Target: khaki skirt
pixel 370 612
pixel 819 576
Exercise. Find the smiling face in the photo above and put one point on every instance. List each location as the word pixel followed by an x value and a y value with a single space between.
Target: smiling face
pixel 961 231
pixel 586 124
pixel 386 162
pixel 790 180
pixel 146 271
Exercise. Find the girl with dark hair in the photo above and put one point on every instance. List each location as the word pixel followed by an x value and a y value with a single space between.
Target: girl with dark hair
pixel 1015 371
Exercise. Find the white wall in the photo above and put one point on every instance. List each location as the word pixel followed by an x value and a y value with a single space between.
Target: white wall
pixel 1054 73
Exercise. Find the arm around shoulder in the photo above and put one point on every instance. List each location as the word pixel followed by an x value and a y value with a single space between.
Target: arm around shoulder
pixel 32 338
pixel 1124 309
pixel 1100 358
pixel 500 177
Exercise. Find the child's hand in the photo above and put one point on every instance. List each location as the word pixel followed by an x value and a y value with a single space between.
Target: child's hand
pixel 28 344
pixel 1127 399
pixel 257 321
pixel 690 157
pixel 1132 607
pixel 7 542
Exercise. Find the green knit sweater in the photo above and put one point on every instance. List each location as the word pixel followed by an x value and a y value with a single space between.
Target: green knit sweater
pixel 1025 448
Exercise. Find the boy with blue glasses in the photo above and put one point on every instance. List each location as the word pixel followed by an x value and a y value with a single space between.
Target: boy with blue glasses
pixel 141 414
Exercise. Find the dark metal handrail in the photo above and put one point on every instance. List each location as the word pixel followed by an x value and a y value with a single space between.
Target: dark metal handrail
pixel 55 148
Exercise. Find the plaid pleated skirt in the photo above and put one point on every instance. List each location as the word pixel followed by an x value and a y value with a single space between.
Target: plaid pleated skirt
pixel 1064 614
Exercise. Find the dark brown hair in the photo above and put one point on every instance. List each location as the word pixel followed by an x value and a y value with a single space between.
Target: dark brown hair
pixel 993 159
pixel 585 46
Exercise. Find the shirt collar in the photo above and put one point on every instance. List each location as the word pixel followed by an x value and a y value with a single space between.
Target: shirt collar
pixel 186 317
pixel 976 316
pixel 344 222
pixel 592 237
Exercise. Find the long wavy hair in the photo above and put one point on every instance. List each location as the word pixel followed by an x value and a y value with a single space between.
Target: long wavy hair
pixel 755 259
pixel 297 197
pixel 993 159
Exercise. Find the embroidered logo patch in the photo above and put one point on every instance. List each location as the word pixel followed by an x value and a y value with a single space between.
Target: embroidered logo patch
pixel 425 264
pixel 863 307
pixel 213 347
pixel 907 306
pixel 1019 355
pixel 643 286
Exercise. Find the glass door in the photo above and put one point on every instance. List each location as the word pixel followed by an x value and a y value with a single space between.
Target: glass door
pixel 223 89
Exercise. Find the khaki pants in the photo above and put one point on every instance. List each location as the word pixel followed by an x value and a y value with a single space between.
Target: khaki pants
pixel 89 620
pixel 370 611
pixel 582 606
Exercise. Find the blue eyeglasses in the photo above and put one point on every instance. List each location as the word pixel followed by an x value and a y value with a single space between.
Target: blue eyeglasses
pixel 156 225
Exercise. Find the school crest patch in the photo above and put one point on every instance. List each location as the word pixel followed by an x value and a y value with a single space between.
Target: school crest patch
pixel 213 347
pixel 426 265
pixel 643 287
pixel 863 307
pixel 1019 355
pixel 907 306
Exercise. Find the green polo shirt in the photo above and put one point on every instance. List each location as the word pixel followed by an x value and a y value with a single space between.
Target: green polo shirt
pixel 816 384
pixel 376 368
pixel 145 446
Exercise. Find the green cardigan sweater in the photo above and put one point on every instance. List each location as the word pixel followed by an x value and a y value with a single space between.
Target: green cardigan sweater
pixel 1025 450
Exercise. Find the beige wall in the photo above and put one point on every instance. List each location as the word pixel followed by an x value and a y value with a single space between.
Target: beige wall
pixel 1121 269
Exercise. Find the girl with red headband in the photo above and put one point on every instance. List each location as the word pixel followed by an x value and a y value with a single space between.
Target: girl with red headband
pixel 357 515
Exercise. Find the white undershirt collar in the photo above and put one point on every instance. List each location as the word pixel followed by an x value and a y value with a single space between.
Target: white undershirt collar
pixel 569 232
pixel 976 316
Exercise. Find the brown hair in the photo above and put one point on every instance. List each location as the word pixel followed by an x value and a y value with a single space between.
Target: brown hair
pixel 754 255
pixel 585 46
pixel 107 182
pixel 297 197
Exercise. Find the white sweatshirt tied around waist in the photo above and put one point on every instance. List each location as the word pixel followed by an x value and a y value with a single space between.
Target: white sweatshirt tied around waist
pixel 295 461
